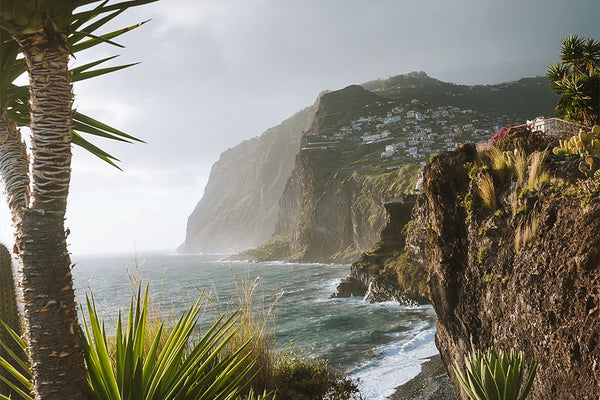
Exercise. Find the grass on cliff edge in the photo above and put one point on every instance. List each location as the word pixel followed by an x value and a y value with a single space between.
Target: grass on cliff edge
pixel 275 249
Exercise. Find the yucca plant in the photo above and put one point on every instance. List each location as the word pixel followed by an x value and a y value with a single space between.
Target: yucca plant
pixel 179 371
pixel 496 375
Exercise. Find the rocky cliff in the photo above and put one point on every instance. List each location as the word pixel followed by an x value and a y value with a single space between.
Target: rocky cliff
pixel 241 200
pixel 384 273
pixel 519 268
pixel 332 214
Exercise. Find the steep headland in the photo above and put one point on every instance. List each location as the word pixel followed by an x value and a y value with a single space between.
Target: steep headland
pixel 241 200
pixel 517 266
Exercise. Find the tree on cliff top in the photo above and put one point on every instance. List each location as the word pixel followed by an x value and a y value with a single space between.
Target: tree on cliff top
pixel 577 79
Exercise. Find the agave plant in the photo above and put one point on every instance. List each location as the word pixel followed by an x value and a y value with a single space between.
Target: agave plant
pixel 179 371
pixel 496 375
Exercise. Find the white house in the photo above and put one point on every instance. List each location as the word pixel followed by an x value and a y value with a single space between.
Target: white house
pixel 553 126
pixel 370 138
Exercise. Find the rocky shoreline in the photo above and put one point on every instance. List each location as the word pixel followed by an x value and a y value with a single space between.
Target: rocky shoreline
pixel 432 383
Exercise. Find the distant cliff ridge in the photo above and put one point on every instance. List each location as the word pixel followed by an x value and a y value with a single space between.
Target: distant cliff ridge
pixel 363 146
pixel 241 200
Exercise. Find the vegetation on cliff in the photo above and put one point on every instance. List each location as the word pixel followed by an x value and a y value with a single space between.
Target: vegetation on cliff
pixel 512 245
pixel 388 266
pixel 385 272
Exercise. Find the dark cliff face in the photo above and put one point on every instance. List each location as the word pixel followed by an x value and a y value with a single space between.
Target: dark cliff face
pixel 319 213
pixel 331 207
pixel 384 273
pixel 525 275
pixel 240 205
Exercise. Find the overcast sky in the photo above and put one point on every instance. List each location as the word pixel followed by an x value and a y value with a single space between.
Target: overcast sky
pixel 215 73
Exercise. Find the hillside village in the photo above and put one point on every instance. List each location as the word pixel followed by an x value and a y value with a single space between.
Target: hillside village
pixel 411 132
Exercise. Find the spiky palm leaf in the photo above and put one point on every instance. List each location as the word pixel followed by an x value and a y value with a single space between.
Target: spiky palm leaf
pixel 131 367
pixel 15 99
pixel 139 370
pixel 577 79
pixel 14 366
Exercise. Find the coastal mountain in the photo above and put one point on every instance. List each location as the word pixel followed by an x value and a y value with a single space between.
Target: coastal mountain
pixel 241 200
pixel 318 181
pixel 366 147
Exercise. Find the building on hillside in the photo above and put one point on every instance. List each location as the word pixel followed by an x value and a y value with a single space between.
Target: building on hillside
pixel 554 126
pixel 367 138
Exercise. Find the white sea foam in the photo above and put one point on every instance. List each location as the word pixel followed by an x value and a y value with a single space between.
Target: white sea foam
pixel 395 364
pixel 330 286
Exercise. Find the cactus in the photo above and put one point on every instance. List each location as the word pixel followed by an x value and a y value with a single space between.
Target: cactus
pixel 582 144
pixel 9 314
pixel 589 165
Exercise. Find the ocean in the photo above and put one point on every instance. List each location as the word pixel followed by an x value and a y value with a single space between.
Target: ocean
pixel 383 345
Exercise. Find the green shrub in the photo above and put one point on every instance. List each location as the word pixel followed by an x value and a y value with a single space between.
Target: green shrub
pixel 411 276
pixel 276 248
pixel 297 379
pixel 482 254
pixel 496 375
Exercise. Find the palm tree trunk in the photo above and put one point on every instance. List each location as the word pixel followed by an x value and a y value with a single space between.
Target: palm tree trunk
pixel 14 167
pixel 50 312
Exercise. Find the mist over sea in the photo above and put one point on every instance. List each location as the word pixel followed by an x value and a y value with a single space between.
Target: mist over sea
pixel 381 344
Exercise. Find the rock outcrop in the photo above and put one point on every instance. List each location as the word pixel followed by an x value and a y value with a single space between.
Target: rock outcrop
pixel 384 273
pixel 331 206
pixel 523 273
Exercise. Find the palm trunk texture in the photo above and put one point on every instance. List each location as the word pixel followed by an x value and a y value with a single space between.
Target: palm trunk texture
pixel 14 167
pixel 50 312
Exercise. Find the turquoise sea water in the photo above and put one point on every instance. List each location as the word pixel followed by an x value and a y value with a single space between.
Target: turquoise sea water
pixel 382 344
